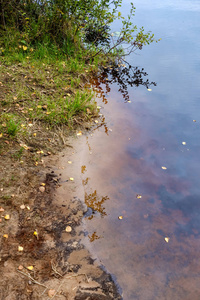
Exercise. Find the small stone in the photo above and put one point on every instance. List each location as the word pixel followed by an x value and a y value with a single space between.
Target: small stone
pixel 42 189
pixel 51 293
pixel 20 267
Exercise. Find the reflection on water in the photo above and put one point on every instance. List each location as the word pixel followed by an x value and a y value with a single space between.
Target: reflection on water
pixel 153 250
pixel 122 74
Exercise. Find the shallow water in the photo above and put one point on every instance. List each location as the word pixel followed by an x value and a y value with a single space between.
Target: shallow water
pixel 143 163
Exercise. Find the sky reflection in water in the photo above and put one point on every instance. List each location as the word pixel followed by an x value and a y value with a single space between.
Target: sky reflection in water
pixel 142 136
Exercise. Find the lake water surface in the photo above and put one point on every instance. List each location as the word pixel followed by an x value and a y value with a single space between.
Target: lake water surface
pixel 143 163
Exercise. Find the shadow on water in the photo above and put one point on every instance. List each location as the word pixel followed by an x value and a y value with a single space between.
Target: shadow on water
pixel 122 74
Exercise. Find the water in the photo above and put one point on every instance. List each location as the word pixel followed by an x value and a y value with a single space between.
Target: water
pixel 143 163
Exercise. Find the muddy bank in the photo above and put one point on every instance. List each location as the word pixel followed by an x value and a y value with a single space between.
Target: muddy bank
pixel 41 255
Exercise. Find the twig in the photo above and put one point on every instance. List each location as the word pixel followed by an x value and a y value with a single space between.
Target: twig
pixel 54 269
pixel 31 278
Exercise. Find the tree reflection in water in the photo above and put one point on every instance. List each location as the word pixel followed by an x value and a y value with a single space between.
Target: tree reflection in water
pixel 124 75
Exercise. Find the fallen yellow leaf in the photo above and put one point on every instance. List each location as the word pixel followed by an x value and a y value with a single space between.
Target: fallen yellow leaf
pixel 20 248
pixel 30 268
pixel 167 239
pixel 120 217
pixel 68 229
pixel 69 162
pixel 164 168
pixel 7 217
pixel 183 143
pixel 5 236
pixel 24 48
pixel 71 178
pixel 1 134
pixel 138 196
pixel 79 133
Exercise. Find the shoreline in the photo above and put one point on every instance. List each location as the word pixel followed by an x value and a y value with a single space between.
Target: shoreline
pixel 61 266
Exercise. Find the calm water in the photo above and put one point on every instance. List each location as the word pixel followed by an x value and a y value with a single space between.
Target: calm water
pixel 153 251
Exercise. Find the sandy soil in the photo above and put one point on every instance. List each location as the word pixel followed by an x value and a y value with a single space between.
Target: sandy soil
pixel 41 212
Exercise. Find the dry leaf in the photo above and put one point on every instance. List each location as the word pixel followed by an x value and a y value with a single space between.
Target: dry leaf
pixel 22 206
pixel 5 236
pixel 120 217
pixel 30 268
pixel 68 229
pixel 69 162
pixel 149 90
pixel 183 143
pixel 35 233
pixel 1 209
pixel 20 248
pixel 138 196
pixel 71 179
pixel 167 239
pixel 79 133
pixel 42 183
pixel 164 168
pixel 7 217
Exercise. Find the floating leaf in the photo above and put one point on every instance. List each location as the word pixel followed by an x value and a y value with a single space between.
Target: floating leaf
pixel 183 143
pixel 167 239
pixel 149 90
pixel 129 101
pixel 1 134
pixel 120 217
pixel 164 168
pixel 68 229
pixel 194 120
pixel 138 196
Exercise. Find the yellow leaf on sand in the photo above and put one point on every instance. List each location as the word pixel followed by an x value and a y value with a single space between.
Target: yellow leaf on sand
pixel 164 168
pixel 79 133
pixel 30 268
pixel 7 217
pixel 42 183
pixel 68 229
pixel 120 217
pixel 20 248
pixel 5 236
pixel 71 179
pixel 69 162
pixel 167 239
